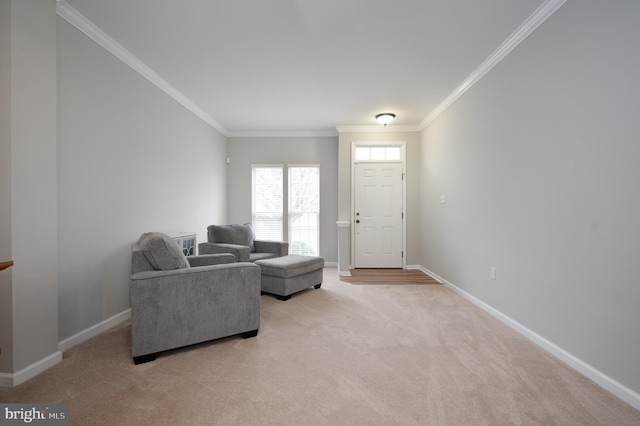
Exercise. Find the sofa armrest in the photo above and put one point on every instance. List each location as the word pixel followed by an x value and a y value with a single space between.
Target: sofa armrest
pixel 179 274
pixel 240 252
pixel 280 248
pixel 211 259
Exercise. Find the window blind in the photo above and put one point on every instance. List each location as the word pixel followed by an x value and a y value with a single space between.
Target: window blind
pixel 267 202
pixel 304 210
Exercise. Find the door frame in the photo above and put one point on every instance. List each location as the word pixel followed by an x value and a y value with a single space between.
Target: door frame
pixel 403 160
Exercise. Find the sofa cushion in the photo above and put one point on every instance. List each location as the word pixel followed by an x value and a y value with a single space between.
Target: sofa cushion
pixel 290 266
pixel 162 251
pixel 255 256
pixel 233 234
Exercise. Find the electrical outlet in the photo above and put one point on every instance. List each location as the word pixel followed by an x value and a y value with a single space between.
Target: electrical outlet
pixel 493 273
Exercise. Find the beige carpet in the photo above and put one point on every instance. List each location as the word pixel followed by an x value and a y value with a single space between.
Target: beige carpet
pixel 341 355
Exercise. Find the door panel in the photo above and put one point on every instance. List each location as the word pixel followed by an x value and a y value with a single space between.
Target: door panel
pixel 378 215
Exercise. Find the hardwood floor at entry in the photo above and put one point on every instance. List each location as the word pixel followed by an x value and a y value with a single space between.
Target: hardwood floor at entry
pixel 388 277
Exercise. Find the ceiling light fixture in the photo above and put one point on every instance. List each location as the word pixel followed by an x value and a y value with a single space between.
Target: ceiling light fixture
pixel 385 118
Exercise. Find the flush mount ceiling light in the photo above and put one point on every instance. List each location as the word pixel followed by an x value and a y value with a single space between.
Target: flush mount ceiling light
pixel 385 118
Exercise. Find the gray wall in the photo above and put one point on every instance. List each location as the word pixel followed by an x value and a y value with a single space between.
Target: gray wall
pixel 6 297
pixel 412 214
pixel 30 146
pixel 244 152
pixel 130 160
pixel 540 164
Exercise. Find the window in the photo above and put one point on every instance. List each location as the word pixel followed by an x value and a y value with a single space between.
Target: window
pixel 299 188
pixel 304 210
pixel 377 153
pixel 267 203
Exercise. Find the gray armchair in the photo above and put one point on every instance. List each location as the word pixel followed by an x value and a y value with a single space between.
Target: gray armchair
pixel 239 240
pixel 178 301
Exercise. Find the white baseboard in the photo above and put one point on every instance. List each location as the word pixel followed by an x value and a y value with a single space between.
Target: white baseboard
pixel 346 273
pixel 93 331
pixel 618 389
pixel 11 380
pixel 421 269
pixel 8 380
pixel 331 264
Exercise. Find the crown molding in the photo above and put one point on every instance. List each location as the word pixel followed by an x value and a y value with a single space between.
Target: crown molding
pixel 75 18
pixel 378 129
pixel 282 134
pixel 541 14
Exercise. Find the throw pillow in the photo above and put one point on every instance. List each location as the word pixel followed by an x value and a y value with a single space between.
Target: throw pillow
pixel 233 234
pixel 162 251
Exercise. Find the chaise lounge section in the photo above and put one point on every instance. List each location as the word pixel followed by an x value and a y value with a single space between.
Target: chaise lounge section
pixel 286 275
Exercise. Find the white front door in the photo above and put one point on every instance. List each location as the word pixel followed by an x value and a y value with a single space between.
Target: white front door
pixel 378 215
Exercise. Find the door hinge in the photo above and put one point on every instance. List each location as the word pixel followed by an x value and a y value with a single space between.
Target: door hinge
pixel 402 215
pixel 402 254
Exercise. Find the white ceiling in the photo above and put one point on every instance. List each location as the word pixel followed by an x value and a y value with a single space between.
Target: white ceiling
pixel 268 66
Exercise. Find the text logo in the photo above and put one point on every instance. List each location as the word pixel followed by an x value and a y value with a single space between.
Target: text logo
pixel 37 414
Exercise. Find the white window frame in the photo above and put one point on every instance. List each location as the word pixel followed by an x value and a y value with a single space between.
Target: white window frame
pixel 286 189
pixel 289 213
pixel 281 167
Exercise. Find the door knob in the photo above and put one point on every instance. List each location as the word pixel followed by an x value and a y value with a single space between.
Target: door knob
pixel 357 220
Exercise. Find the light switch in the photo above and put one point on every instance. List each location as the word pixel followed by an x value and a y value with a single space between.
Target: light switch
pixel 443 199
